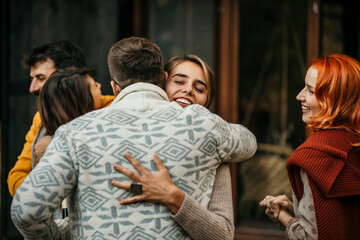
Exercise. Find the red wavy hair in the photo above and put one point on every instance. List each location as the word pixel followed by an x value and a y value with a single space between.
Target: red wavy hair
pixel 338 93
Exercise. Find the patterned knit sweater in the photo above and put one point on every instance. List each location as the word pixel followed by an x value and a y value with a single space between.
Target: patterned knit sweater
pixel 192 142
pixel 333 168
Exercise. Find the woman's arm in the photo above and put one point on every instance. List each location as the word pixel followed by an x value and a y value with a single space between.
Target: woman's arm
pixel 40 147
pixel 216 222
pixel 201 223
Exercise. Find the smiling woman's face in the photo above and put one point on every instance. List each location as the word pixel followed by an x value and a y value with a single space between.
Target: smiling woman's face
pixel 187 85
pixel 309 104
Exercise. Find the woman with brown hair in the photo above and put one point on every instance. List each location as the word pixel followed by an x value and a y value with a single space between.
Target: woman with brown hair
pixel 324 171
pixel 68 94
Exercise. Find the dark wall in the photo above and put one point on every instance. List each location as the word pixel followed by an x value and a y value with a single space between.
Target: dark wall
pixel 92 25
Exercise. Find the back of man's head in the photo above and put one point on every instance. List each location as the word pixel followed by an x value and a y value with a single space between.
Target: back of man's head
pixel 63 53
pixel 135 59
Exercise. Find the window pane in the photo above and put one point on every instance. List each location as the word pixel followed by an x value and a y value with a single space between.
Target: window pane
pixel 272 71
pixel 182 27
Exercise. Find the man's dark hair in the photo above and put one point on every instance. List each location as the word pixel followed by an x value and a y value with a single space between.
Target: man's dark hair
pixel 135 59
pixel 63 53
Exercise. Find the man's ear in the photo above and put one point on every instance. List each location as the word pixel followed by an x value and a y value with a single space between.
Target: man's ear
pixel 116 89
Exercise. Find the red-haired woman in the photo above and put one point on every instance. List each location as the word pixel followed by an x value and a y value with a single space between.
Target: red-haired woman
pixel 325 170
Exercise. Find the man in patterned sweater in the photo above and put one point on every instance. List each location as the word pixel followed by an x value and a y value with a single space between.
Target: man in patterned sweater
pixel 191 141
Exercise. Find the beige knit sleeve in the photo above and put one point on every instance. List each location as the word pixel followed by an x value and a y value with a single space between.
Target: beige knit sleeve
pixel 216 222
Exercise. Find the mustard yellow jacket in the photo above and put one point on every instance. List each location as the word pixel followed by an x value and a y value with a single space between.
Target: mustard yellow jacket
pixel 23 165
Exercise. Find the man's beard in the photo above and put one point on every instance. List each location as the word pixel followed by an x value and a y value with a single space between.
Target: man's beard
pixel 36 93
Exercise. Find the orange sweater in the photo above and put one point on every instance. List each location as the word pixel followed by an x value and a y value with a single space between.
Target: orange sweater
pixel 333 168
pixel 23 165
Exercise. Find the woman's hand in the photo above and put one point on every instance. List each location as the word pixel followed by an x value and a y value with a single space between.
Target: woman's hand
pixel 157 186
pixel 40 147
pixel 274 204
pixel 279 209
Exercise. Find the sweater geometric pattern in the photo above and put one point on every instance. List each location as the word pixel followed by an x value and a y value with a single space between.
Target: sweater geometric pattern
pixel 191 142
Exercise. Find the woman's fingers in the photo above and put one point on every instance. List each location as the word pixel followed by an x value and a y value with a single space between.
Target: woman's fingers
pixel 288 205
pixel 269 212
pixel 272 205
pixel 284 204
pixel 137 165
pixel 266 201
pixel 130 174
pixel 263 203
pixel 137 198
pixel 122 185
pixel 126 186
pixel 158 163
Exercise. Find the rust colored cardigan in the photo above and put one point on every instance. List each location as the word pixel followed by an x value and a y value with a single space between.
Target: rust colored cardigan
pixel 333 168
